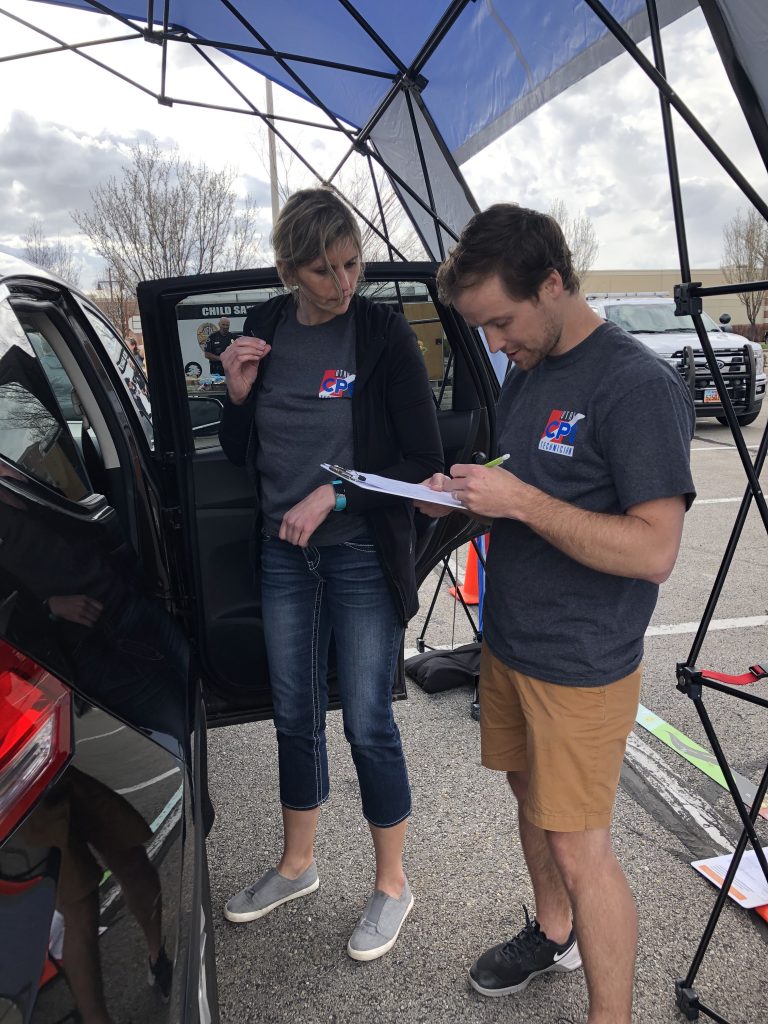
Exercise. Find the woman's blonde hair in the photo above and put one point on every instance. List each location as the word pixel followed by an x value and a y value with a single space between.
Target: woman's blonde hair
pixel 310 221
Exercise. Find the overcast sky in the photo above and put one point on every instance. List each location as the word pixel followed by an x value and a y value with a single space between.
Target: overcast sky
pixel 65 126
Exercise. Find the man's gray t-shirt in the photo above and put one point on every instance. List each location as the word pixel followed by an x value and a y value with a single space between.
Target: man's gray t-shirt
pixel 604 427
pixel 304 417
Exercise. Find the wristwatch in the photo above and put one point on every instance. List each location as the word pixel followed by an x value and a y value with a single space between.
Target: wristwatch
pixel 341 498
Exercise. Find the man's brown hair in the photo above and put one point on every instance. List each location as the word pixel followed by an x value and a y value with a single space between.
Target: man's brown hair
pixel 522 246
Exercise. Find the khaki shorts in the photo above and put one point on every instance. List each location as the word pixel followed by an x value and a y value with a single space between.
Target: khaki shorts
pixel 569 739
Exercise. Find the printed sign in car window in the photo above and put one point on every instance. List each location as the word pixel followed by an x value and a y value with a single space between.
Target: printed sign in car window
pixel 129 369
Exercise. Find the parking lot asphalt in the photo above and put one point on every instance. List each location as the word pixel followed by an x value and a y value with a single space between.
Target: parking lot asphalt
pixel 463 861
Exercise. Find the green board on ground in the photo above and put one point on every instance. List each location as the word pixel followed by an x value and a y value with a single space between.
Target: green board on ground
pixel 696 755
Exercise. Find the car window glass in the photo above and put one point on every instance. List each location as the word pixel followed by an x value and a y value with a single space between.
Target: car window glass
pixel 653 318
pixel 131 372
pixel 207 324
pixel 40 417
pixel 413 300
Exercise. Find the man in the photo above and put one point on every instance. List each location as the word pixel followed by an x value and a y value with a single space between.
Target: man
pixel 217 341
pixel 587 515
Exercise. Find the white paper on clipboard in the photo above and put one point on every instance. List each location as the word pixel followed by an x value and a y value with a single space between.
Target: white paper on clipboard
pixel 386 485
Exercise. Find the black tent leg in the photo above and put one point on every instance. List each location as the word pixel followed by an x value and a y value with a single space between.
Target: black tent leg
pixel 691 683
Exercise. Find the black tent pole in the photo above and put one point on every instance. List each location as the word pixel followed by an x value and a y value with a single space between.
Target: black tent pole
pixel 424 168
pixel 626 40
pixel 669 142
pixel 70 46
pixel 74 47
pixel 686 996
pixel 164 57
pixel 381 213
pixel 284 140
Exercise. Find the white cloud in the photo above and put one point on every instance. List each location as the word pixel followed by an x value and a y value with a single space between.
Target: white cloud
pixel 600 147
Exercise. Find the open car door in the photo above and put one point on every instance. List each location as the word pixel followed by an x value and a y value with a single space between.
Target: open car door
pixel 211 508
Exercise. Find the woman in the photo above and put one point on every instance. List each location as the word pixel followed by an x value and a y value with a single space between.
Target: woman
pixel 324 375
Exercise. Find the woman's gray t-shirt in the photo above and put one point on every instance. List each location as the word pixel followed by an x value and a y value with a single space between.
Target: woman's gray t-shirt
pixel 304 417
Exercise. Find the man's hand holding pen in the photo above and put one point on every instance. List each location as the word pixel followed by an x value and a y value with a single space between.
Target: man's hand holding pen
pixel 487 492
pixel 241 362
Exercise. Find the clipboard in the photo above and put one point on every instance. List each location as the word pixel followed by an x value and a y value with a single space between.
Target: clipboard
pixel 386 485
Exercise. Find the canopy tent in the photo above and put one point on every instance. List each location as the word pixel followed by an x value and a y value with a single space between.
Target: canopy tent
pixel 420 87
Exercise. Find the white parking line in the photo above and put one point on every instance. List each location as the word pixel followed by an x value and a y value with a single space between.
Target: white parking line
pixel 748 622
pixel 674 629
pixel 714 501
pixel 654 769
pixel 724 448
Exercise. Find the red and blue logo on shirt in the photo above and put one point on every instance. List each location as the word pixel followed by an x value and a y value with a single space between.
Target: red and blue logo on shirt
pixel 560 432
pixel 337 384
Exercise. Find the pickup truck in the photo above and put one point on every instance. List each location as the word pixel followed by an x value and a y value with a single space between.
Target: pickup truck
pixel 652 320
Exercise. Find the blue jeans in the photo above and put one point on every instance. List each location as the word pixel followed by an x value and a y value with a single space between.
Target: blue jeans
pixel 306 594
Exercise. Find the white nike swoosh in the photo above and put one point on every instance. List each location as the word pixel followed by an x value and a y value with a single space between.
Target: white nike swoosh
pixel 559 956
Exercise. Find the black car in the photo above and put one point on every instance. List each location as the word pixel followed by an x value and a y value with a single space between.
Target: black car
pixel 129 619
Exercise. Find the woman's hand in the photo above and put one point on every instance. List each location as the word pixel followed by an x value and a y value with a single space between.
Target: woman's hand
pixel 301 521
pixel 437 482
pixel 79 608
pixel 241 362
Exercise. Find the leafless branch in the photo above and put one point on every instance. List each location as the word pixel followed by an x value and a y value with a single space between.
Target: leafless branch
pixel 55 255
pixel 745 258
pixel 580 235
pixel 168 217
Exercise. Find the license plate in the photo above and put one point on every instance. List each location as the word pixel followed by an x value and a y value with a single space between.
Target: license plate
pixel 711 395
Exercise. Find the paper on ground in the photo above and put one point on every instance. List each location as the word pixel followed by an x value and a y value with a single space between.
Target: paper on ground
pixel 749 887
pixel 385 485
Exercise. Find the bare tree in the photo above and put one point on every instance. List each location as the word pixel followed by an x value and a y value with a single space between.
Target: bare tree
pixel 167 217
pixel 114 297
pixel 56 255
pixel 580 235
pixel 386 213
pixel 745 258
pixel 355 184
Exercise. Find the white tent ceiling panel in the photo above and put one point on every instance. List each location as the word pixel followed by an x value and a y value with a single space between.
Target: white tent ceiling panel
pixel 394 139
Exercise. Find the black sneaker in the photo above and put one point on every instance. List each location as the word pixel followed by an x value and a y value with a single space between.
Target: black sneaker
pixel 160 974
pixel 510 966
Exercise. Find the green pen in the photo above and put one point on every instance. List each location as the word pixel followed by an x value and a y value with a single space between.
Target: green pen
pixel 496 462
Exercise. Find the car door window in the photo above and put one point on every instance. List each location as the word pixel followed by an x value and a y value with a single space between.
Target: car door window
pixel 131 373
pixel 206 324
pixel 414 301
pixel 40 419
pixel 202 336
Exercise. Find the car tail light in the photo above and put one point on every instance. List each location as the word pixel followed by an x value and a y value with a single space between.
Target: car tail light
pixel 35 733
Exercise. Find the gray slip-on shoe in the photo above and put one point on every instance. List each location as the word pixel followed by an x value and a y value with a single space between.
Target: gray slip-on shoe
pixel 269 892
pixel 378 928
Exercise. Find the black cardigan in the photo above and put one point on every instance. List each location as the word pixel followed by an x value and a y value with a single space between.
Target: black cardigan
pixel 394 425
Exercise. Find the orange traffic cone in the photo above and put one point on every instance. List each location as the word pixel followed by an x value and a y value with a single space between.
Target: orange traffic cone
pixel 470 589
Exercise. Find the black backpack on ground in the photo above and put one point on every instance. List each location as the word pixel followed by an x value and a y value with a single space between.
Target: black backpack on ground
pixel 436 671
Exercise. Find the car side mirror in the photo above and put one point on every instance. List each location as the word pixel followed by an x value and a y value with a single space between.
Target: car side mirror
pixel 725 319
pixel 205 415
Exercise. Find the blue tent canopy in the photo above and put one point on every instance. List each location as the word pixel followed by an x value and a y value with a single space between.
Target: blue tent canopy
pixel 422 86
pixel 496 62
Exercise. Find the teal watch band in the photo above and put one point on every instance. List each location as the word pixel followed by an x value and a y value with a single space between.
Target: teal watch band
pixel 341 498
